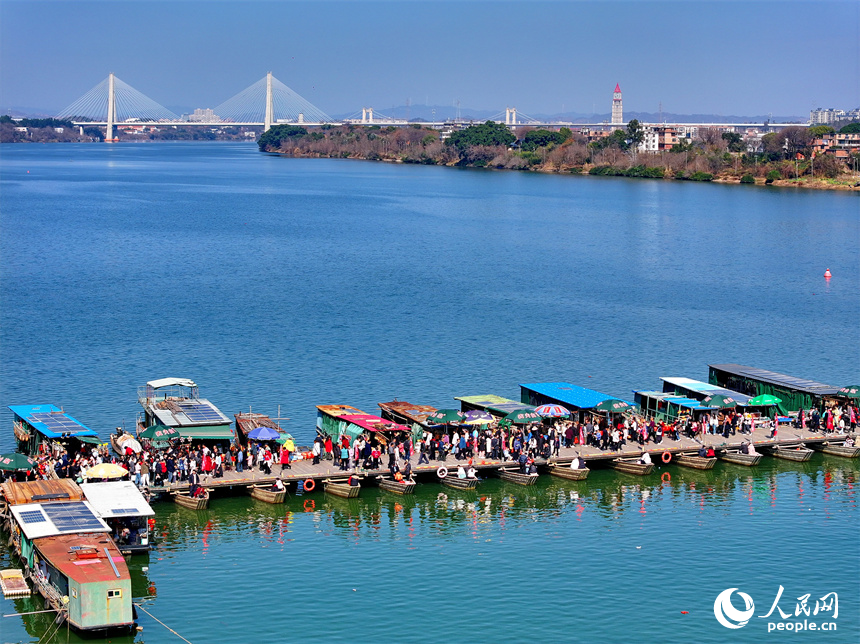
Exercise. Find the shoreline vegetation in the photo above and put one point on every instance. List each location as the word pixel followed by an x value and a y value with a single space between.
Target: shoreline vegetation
pixel 721 157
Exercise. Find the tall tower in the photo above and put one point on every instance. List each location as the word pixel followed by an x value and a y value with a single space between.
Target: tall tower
pixel 270 110
pixel 617 111
pixel 111 113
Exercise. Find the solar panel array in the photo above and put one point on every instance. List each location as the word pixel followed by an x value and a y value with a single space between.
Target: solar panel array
pixel 200 412
pixel 72 517
pixel 59 423
pixel 32 516
pixel 124 511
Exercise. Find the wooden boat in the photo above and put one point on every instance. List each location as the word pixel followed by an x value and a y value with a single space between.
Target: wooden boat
pixel 192 503
pixel 632 466
pixel 267 494
pixel 569 474
pixel 397 487
pixel 835 449
pixel 518 478
pixel 695 462
pixel 458 483
pixel 739 458
pixel 799 453
pixel 342 489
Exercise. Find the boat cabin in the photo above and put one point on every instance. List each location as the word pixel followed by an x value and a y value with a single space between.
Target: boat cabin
pixel 406 413
pixel 795 393
pixel 249 421
pixel 579 400
pixel 122 506
pixel 47 429
pixel 700 390
pixel 176 402
pixel 668 407
pixel 69 555
pixel 343 420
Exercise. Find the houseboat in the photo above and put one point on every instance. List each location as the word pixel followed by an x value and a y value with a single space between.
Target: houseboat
pixel 342 420
pixel 794 393
pixel 406 413
pixel 47 429
pixel 69 556
pixel 578 400
pixel 176 402
pixel 495 405
pixel 122 506
pixel 249 421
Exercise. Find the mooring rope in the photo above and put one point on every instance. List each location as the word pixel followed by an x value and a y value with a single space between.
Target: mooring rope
pixel 162 623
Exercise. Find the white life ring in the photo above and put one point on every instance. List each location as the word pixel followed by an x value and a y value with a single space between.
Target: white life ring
pixel 442 472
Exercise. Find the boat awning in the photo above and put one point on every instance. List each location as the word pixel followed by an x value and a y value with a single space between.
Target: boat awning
pixel 50 519
pixel 494 404
pixel 51 421
pixel 683 385
pixel 116 499
pixel 672 399
pixel 564 393
pixel 207 432
pixel 171 382
pixel 373 423
pixel 778 379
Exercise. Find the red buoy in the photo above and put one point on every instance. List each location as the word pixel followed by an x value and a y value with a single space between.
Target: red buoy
pixel 827 274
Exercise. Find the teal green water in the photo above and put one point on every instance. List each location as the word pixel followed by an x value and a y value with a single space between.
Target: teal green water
pixel 300 282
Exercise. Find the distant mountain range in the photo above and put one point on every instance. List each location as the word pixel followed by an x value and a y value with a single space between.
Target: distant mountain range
pixel 447 112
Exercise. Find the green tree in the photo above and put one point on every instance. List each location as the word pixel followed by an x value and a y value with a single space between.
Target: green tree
pixel 489 133
pixel 635 133
pixel 540 138
pixel 851 128
pixel 734 142
pixel 276 135
pixel 817 131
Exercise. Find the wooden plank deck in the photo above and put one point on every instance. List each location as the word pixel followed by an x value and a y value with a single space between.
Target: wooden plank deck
pixel 305 469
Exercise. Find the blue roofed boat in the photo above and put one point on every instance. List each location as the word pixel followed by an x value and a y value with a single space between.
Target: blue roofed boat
pixel 40 429
pixel 700 390
pixel 576 399
pixel 661 405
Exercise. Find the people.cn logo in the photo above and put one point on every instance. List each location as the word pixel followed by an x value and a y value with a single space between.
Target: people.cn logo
pixel 727 614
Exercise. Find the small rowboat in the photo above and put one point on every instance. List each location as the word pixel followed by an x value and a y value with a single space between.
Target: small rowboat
pixel 632 466
pixel 267 494
pixel 569 474
pixel 799 453
pixel 13 583
pixel 518 478
pixel 835 449
pixel 458 483
pixel 192 503
pixel 739 458
pixel 695 462
pixel 397 487
pixel 342 489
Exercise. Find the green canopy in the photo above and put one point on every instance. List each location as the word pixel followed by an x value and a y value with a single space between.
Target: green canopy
pixel 719 400
pixel 765 400
pixel 160 433
pixel 15 462
pixel 523 417
pixel 94 440
pixel 851 391
pixel 284 438
pixel 613 405
pixel 446 417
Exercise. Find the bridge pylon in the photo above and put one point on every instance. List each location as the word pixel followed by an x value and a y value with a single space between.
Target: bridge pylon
pixel 270 107
pixel 111 111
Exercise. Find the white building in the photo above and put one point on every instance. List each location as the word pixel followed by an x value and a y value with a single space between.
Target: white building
pixel 617 109
pixel 204 116
pixel 825 117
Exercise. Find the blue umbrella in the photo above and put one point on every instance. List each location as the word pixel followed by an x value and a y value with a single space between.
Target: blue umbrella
pixel 263 434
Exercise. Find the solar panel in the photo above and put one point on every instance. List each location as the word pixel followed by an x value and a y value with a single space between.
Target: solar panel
pixel 124 511
pixel 198 412
pixel 56 422
pixel 72 517
pixel 32 516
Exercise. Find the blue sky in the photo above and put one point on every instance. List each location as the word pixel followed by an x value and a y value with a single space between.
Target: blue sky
pixel 741 58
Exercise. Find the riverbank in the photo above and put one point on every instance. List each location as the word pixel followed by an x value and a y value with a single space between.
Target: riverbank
pixel 494 146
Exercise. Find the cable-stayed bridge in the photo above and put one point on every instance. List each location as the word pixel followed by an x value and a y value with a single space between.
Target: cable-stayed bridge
pixel 265 103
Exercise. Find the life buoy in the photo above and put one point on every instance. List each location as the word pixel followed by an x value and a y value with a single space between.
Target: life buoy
pixel 666 477
pixel 309 485
pixel 309 505
pixel 442 472
pixel 666 457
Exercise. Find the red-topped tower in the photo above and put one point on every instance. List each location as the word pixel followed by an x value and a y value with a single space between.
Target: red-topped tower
pixel 617 111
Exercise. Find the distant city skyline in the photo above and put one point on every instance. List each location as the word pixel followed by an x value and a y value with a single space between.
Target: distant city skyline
pixel 738 58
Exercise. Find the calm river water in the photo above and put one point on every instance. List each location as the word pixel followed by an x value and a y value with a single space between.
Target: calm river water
pixel 290 282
